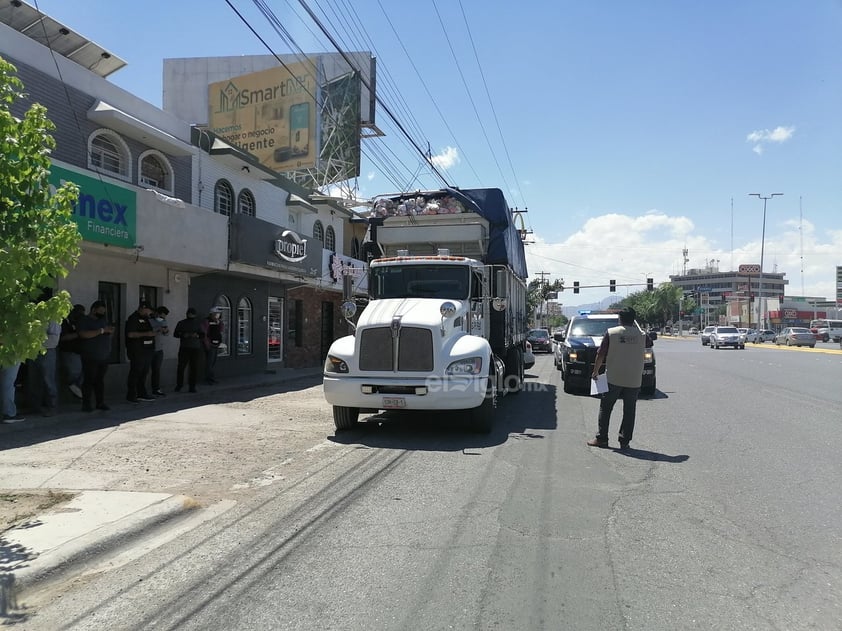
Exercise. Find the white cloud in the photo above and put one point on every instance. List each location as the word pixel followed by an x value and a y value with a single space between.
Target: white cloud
pixel 447 158
pixel 760 137
pixel 371 175
pixel 630 249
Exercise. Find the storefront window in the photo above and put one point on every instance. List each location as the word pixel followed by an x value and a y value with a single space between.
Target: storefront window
pixel 244 327
pixel 275 322
pixel 224 305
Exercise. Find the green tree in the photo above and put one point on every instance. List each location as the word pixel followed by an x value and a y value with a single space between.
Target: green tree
pixel 39 241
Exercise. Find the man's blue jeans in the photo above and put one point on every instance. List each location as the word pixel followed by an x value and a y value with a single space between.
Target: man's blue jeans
pixel 629 396
pixel 7 389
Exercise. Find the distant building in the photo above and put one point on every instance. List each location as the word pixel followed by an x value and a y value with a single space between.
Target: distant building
pixel 712 289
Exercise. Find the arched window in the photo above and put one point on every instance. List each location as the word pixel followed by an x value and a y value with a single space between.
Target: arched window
pixel 330 239
pixel 223 198
pixel 108 153
pixel 318 231
pixel 245 203
pixel 224 305
pixel 244 341
pixel 155 171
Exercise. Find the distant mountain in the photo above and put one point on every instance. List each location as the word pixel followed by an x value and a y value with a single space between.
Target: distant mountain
pixel 605 303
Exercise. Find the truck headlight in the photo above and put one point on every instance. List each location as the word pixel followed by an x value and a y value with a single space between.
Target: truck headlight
pixel 335 364
pixel 647 357
pixel 467 366
pixel 573 356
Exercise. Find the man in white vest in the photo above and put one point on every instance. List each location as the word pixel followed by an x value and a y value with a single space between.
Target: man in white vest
pixel 621 351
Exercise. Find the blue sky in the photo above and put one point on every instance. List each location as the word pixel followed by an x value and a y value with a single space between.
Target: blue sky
pixel 630 130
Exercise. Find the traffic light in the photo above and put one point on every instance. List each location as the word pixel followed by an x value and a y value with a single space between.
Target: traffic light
pixel 575 286
pixel 650 284
pixel 612 285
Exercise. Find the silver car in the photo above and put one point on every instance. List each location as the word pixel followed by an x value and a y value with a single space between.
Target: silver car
pixel 796 336
pixel 705 335
pixel 727 336
pixel 764 335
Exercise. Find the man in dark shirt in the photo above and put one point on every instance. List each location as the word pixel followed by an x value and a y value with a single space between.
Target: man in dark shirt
pixel 189 332
pixel 95 348
pixel 140 347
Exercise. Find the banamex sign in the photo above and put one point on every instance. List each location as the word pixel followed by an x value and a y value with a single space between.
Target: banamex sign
pixel 749 269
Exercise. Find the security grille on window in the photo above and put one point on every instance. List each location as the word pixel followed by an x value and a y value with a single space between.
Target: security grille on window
pixel 223 198
pixel 245 203
pixel 319 231
pixel 107 156
pixel 330 239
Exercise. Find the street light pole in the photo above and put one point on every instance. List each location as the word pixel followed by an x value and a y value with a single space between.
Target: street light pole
pixel 761 311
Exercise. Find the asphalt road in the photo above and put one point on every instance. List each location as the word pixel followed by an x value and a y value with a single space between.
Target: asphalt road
pixel 725 515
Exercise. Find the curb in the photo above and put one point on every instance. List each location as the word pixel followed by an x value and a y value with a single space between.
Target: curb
pixel 72 558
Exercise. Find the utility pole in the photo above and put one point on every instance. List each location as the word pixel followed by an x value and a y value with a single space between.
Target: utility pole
pixel 761 315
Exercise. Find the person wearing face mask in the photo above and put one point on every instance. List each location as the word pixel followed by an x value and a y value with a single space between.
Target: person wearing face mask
pixel 95 349
pixel 158 320
pixel 189 332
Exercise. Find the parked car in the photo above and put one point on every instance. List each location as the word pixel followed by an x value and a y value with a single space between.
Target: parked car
pixel 823 334
pixel 705 335
pixel 796 336
pixel 528 357
pixel 540 340
pixel 727 336
pixel 575 351
pixel 765 335
pixel 693 331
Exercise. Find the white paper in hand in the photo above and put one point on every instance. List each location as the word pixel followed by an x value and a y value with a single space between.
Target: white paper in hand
pixel 600 384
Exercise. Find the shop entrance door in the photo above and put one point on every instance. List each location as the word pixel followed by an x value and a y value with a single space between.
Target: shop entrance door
pixel 327 328
pixel 110 294
pixel 275 329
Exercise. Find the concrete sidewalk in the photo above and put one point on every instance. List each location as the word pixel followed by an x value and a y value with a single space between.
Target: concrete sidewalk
pixel 63 541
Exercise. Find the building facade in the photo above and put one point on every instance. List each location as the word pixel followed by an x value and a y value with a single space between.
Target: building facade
pixel 176 220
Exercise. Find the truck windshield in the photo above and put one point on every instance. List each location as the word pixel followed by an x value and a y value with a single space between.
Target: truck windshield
pixel 420 281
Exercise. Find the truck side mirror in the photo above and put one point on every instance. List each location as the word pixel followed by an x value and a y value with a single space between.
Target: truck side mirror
pixel 558 337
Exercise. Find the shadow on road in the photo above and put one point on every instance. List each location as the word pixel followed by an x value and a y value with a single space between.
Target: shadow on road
pixel 69 423
pixel 652 456
pixel 521 416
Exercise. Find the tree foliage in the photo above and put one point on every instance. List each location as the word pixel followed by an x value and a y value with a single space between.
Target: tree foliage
pixel 660 306
pixel 39 241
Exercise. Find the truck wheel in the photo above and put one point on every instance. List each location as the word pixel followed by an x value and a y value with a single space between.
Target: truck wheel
pixel 345 418
pixel 514 372
pixel 482 417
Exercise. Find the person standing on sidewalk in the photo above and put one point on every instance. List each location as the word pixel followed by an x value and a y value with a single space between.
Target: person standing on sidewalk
pixel 160 326
pixel 622 352
pixel 140 347
pixel 43 391
pixel 8 375
pixel 95 349
pixel 189 332
pixel 213 329
pixel 70 348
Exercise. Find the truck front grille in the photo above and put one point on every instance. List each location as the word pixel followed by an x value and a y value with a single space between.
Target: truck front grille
pixel 415 350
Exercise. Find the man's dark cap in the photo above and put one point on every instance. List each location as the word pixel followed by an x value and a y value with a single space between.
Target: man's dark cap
pixel 162 310
pixel 79 308
pixel 191 311
pixel 96 304
pixel 143 304
pixel 627 314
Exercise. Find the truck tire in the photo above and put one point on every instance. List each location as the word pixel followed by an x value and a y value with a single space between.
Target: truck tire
pixel 482 417
pixel 514 371
pixel 345 418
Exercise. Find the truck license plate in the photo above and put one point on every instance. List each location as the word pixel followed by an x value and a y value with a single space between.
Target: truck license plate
pixel 393 403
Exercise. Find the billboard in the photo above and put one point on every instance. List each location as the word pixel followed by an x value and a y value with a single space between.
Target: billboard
pixel 271 114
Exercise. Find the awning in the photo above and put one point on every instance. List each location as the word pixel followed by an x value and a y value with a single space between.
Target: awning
pixel 113 118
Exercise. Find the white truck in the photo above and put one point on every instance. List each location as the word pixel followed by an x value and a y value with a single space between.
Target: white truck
pixel 445 324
